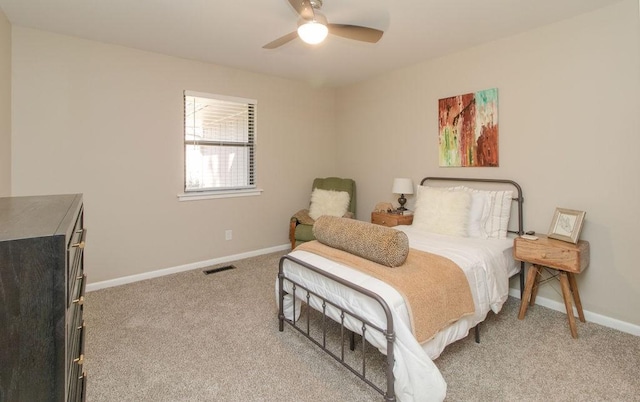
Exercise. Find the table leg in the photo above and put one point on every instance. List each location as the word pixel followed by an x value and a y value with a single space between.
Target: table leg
pixel 524 303
pixel 566 295
pixel 536 285
pixel 576 295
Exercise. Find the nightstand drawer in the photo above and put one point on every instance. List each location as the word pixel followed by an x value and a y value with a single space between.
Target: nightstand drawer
pixel 386 219
pixel 553 253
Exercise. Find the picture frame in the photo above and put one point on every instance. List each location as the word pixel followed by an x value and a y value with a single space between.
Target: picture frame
pixel 566 225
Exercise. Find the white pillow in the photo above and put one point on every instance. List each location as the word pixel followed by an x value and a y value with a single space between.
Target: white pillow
pixel 478 215
pixel 442 211
pixel 328 202
pixel 478 211
pixel 498 210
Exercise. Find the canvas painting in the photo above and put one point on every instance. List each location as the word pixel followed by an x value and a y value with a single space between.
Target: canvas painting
pixel 468 129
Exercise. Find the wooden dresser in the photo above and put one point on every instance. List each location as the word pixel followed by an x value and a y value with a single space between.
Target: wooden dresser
pixel 42 285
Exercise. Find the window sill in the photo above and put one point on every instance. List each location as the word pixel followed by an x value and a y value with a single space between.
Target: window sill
pixel 207 195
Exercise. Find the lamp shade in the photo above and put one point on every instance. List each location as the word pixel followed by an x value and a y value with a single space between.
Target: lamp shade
pixel 402 186
pixel 314 31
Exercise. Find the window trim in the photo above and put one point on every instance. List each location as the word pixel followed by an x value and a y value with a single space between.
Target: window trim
pixel 227 192
pixel 207 195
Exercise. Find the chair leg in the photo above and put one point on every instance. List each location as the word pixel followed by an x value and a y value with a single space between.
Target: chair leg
pixel 292 232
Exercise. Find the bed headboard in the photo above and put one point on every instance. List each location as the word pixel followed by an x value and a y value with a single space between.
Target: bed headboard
pixel 518 200
pixel 491 184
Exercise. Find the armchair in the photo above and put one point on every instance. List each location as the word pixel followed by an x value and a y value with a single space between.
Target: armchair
pixel 301 224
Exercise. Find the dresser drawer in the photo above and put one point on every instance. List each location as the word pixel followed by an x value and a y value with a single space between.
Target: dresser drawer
pixel 553 253
pixel 77 298
pixel 75 257
pixel 386 219
pixel 75 341
pixel 77 384
pixel 76 284
pixel 74 331
pixel 76 362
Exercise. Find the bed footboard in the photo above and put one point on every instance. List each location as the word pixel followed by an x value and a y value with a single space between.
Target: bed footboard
pixel 306 294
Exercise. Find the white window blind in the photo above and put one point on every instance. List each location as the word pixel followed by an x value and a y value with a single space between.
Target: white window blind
pixel 219 142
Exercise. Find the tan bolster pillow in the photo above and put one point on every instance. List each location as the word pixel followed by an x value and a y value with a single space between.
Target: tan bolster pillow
pixel 381 244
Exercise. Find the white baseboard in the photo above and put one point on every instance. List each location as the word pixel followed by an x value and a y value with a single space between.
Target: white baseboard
pixel 181 268
pixel 589 316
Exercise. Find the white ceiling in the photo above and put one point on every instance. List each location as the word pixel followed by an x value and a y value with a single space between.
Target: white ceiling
pixel 232 32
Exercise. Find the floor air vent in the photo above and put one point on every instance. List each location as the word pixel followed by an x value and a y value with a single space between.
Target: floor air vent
pixel 220 269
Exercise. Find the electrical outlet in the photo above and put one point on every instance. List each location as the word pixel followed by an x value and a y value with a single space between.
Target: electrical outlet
pixel 228 234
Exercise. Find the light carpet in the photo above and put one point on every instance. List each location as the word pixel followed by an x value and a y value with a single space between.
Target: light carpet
pixel 196 337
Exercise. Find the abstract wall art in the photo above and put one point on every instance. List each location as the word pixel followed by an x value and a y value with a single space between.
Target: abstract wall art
pixel 468 129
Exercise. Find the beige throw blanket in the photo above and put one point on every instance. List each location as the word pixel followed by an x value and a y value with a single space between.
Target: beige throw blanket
pixel 434 288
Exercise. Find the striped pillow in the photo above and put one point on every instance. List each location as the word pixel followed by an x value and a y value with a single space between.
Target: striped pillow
pixel 499 207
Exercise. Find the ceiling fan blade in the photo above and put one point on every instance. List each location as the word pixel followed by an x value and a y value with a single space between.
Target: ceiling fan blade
pixel 281 40
pixel 356 32
pixel 303 7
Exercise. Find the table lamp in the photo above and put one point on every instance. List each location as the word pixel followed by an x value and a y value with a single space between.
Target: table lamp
pixel 402 186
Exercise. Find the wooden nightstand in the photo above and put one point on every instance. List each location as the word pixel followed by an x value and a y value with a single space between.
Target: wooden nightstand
pixel 389 219
pixel 566 258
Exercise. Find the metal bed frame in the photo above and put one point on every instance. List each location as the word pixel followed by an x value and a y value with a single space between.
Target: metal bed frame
pixel 388 332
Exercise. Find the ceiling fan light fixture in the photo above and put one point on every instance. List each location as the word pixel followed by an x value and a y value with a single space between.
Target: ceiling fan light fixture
pixel 314 31
pixel 313 27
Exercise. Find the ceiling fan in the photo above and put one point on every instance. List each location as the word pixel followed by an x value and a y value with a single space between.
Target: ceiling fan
pixel 313 27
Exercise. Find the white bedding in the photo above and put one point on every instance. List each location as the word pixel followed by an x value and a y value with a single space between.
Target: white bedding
pixel 487 264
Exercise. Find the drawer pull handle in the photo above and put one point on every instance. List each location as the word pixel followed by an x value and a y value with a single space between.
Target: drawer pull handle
pixel 79 301
pixel 79 360
pixel 83 234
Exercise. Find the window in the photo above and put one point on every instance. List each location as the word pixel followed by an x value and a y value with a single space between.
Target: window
pixel 219 144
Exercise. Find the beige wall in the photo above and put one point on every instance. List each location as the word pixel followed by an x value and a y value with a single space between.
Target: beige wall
pixel 569 134
pixel 106 121
pixel 5 106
